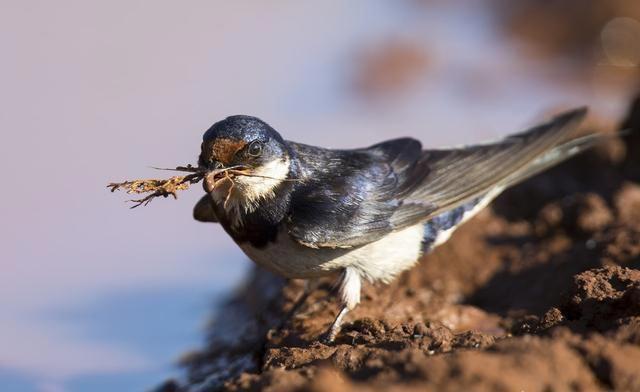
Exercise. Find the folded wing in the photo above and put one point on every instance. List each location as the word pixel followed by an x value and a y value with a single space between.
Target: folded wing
pixel 357 197
pixel 461 174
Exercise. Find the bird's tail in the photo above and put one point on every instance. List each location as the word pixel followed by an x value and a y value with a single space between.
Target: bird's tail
pixel 557 155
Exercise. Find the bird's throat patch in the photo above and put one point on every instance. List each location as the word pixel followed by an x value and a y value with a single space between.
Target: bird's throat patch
pixel 241 195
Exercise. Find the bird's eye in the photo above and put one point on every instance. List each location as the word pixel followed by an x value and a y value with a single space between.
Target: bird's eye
pixel 255 149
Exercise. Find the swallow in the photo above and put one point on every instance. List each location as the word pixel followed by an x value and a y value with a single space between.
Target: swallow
pixel 368 214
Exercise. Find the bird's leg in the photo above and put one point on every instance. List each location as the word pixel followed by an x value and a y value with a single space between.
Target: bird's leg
pixel 331 334
pixel 350 297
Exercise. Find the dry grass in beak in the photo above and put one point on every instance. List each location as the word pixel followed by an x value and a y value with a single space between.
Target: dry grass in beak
pixel 171 186
pixel 156 188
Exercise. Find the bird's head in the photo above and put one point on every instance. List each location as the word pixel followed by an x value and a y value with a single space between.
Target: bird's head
pixel 245 159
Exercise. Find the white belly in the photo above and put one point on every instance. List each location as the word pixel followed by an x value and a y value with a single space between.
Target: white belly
pixel 380 260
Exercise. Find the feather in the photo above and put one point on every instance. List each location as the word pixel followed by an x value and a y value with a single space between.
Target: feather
pixel 456 176
pixel 353 197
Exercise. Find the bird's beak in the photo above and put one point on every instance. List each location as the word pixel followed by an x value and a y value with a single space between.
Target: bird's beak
pixel 210 179
pixel 212 176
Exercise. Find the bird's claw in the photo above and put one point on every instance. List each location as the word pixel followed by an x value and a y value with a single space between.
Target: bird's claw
pixel 328 338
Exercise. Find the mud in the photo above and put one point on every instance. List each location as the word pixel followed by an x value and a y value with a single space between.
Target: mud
pixel 567 27
pixel 540 292
pixel 582 42
pixel 388 69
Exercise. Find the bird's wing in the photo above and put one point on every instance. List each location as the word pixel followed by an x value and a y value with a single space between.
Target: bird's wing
pixel 348 197
pixel 456 176
pixel 360 197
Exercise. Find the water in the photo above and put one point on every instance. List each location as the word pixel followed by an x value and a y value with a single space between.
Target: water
pixel 97 297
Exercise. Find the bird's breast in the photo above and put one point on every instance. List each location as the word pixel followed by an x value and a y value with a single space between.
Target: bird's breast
pixel 379 260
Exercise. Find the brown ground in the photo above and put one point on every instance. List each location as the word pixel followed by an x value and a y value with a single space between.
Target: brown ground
pixel 539 293
pixel 586 42
pixel 563 27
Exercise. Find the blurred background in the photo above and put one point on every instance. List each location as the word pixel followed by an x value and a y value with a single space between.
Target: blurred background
pixel 97 297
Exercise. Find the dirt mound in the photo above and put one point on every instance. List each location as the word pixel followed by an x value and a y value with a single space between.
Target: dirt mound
pixel 540 292
pixel 576 27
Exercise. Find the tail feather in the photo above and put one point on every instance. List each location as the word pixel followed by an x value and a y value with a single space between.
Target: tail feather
pixel 557 155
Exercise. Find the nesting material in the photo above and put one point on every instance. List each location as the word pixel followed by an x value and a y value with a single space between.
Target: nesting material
pixel 156 188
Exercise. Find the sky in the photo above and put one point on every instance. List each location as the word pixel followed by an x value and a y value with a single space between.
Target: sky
pixel 94 296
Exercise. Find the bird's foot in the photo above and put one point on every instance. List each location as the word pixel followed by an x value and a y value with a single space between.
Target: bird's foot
pixel 327 338
pixel 330 336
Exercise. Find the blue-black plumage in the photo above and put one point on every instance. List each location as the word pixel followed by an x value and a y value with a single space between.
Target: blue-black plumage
pixel 437 228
